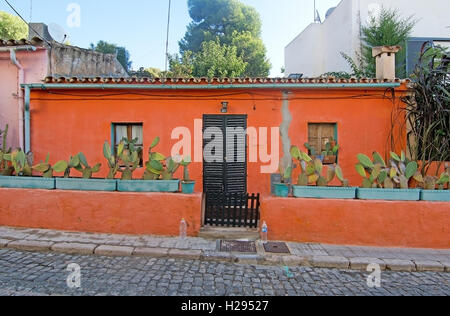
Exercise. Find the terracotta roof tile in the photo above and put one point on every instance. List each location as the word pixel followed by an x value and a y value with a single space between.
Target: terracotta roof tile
pixel 36 41
pixel 205 81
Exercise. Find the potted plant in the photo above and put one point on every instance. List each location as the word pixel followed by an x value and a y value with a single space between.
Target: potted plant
pixel 330 155
pixel 282 189
pixel 187 185
pixel 21 164
pixel 387 182
pixel 311 174
pixel 313 154
pixel 158 174
pixel 442 194
pixel 86 182
pixel 47 170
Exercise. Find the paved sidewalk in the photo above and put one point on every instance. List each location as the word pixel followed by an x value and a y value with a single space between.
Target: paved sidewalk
pixel 307 255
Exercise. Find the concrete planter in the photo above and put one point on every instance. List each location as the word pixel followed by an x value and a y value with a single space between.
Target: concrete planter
pixel 281 189
pixel 27 183
pixel 388 195
pixel 324 192
pixel 79 184
pixel 187 187
pixel 148 186
pixel 437 195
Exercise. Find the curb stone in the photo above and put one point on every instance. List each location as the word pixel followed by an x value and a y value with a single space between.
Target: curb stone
pixel 105 250
pixel 446 265
pixel 74 248
pixel 238 258
pixel 296 261
pixel 400 265
pixel 216 256
pixel 432 266
pixel 185 254
pixel 151 252
pixel 4 243
pixel 330 262
pixel 363 263
pixel 30 245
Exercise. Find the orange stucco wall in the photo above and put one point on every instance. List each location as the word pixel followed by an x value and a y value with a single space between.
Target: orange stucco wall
pixel 101 212
pixel 357 222
pixel 64 122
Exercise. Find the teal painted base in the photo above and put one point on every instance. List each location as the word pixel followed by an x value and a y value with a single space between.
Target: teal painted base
pixel 79 184
pixel 388 195
pixel 324 192
pixel 187 187
pixel 281 190
pixel 437 195
pixel 148 186
pixel 27 183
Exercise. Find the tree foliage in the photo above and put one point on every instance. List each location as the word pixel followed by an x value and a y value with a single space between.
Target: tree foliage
pixel 147 73
pixel 122 54
pixel 218 18
pixel 389 28
pixel 226 26
pixel 216 60
pixel 12 27
pixel 213 60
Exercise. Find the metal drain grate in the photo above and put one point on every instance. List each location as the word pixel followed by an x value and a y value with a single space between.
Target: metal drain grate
pixel 276 247
pixel 237 246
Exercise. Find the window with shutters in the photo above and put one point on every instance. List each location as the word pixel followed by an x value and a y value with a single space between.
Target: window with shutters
pixel 131 132
pixel 319 135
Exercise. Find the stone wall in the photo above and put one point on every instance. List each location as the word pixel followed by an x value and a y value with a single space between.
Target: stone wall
pixel 70 61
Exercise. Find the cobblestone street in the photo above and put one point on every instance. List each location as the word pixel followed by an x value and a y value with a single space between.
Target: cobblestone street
pixel 25 273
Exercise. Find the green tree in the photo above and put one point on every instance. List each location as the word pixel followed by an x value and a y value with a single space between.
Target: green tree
pixel 252 50
pixel 232 24
pixel 213 60
pixel 147 72
pixel 181 66
pixel 12 27
pixel 216 60
pixel 390 29
pixel 123 55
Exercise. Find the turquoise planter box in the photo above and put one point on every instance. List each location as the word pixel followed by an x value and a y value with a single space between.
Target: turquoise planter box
pixel 324 192
pixel 27 183
pixel 78 184
pixel 281 190
pixel 388 195
pixel 187 187
pixel 148 186
pixel 437 195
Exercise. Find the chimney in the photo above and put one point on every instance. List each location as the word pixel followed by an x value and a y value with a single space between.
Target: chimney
pixel 41 32
pixel 385 61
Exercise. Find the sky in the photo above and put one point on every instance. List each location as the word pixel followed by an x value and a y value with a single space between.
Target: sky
pixel 141 25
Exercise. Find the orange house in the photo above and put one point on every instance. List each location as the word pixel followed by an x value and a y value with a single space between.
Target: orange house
pixel 67 116
pixel 264 118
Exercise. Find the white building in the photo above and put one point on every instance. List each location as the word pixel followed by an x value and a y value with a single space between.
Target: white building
pixel 317 49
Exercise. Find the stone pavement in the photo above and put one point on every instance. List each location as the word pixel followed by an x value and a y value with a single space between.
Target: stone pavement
pixel 305 255
pixel 45 273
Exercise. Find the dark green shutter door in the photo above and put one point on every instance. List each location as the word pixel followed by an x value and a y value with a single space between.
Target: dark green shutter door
pixel 229 174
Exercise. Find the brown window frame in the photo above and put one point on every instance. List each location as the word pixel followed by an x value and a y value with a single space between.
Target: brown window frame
pixel 322 139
